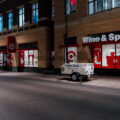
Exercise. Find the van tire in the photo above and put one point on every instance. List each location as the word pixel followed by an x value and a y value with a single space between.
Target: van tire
pixel 75 76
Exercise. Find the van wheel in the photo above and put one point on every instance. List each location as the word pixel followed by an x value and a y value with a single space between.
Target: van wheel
pixel 74 76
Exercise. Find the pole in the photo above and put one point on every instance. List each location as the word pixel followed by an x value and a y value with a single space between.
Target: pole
pixel 66 33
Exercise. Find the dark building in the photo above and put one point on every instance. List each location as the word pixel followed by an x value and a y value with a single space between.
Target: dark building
pixel 29 22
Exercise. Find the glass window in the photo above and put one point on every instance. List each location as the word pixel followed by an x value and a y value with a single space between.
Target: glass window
pixel 108 56
pixel 10 20
pixel 100 5
pixel 72 55
pixel 29 58
pixel 105 4
pixel 21 17
pixel 115 3
pixel 35 13
pixel 1 59
pixel 1 23
pixel 97 56
pixel 118 56
pixel 91 7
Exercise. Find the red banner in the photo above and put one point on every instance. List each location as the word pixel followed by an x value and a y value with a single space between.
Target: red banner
pixel 97 56
pixel 11 44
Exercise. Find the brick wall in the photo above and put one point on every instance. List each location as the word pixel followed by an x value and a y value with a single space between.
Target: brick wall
pixel 38 35
pixel 80 25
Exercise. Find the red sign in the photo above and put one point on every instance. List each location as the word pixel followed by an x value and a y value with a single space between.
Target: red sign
pixel 21 58
pixel 97 56
pixel 71 55
pixel 11 44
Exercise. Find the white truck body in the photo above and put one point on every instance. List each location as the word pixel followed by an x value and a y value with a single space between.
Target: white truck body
pixel 84 69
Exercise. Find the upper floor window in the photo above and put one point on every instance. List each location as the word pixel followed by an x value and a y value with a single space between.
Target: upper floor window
pixel 21 17
pixel 10 20
pixel 115 3
pixel 100 5
pixel 1 23
pixel 35 16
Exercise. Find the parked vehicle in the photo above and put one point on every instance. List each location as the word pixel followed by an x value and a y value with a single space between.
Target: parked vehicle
pixel 77 70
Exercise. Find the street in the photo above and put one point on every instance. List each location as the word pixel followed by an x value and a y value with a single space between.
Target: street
pixel 28 98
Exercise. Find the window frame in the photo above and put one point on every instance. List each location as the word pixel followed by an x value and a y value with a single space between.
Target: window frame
pixel 109 6
pixel 9 20
pixel 1 23
pixel 22 14
pixel 34 10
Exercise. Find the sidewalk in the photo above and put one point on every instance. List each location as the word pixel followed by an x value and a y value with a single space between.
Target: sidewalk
pixel 98 81
pixel 105 81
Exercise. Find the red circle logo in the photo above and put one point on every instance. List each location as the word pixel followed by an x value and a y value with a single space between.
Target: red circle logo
pixel 71 55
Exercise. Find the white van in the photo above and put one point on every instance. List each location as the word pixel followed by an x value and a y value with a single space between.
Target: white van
pixel 77 70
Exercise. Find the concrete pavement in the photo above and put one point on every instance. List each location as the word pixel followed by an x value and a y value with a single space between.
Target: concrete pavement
pixel 97 81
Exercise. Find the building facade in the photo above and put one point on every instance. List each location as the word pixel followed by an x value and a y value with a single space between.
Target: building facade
pixel 93 34
pixel 29 22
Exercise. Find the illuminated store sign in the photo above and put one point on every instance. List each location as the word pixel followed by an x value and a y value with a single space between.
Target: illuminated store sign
pixel 106 49
pixel 102 38
pixel 72 54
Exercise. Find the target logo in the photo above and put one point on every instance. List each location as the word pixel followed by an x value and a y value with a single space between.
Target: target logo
pixel 71 56
pixel 11 46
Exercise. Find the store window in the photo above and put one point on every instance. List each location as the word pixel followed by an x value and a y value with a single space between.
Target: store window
pixel 29 58
pixel 101 5
pixel 10 20
pixel 118 56
pixel 107 56
pixel 5 60
pixel 97 56
pixel 1 59
pixel 35 11
pixel 21 17
pixel 1 23
pixel 72 54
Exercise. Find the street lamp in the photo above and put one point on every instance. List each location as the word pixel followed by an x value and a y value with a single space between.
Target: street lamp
pixel 66 32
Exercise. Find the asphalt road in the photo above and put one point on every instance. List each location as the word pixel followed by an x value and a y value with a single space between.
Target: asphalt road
pixel 24 98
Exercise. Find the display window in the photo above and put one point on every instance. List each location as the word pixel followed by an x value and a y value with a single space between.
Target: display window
pixel 117 56
pixel 5 60
pixel 1 59
pixel 22 58
pixel 97 56
pixel 72 54
pixel 29 58
pixel 107 56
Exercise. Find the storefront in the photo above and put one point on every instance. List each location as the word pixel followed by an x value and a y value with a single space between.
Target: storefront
pixel 5 59
pixel 28 56
pixel 70 47
pixel 106 51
